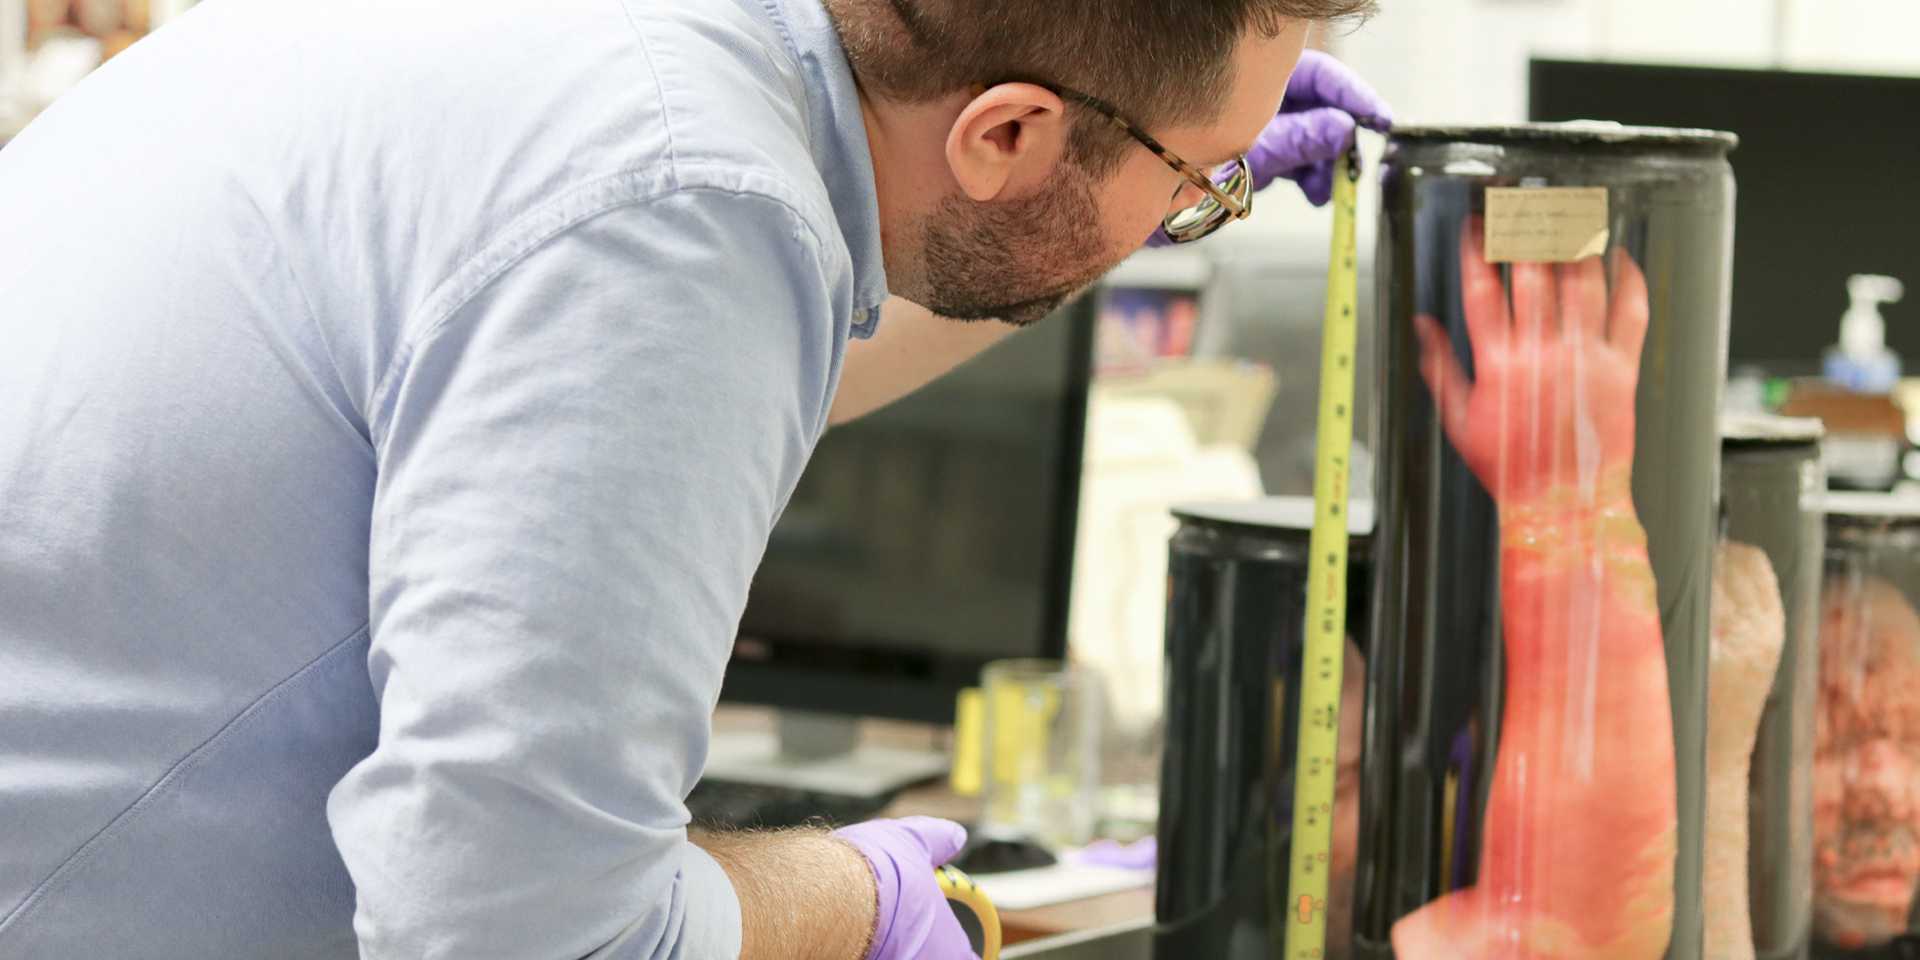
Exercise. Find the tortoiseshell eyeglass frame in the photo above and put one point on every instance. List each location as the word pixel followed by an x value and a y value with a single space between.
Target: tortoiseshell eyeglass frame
pixel 1230 197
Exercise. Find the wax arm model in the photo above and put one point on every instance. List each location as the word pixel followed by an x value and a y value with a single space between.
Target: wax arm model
pixel 1578 851
pixel 1749 632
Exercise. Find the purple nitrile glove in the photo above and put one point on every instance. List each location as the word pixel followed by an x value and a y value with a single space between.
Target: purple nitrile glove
pixel 914 922
pixel 1325 100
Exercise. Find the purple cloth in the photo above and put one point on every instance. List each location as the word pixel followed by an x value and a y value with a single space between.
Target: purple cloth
pixel 1140 855
pixel 1325 101
pixel 914 921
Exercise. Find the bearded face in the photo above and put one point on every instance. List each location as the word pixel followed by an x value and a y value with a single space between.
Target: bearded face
pixel 1867 767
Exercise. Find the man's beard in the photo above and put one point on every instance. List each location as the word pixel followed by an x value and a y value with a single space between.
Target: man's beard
pixel 1016 260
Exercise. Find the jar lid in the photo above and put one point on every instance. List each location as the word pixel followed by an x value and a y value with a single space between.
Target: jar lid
pixel 1854 505
pixel 1762 428
pixel 1571 132
pixel 1275 513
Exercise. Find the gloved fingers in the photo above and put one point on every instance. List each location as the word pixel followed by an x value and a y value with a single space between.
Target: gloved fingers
pixel 945 939
pixel 934 932
pixel 1322 81
pixel 913 919
pixel 1316 182
pixel 942 839
pixel 1292 141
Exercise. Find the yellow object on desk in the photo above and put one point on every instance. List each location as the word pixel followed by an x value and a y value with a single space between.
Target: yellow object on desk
pixel 961 889
pixel 1022 714
pixel 969 734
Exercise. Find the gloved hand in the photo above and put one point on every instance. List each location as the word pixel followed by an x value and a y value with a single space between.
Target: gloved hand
pixel 1325 101
pixel 915 922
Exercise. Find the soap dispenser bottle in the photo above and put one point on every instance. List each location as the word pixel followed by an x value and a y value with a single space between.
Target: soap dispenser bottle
pixel 1861 361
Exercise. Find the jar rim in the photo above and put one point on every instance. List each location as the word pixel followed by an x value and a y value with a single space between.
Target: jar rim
pixel 1762 428
pixel 1867 507
pixel 1274 515
pixel 1569 132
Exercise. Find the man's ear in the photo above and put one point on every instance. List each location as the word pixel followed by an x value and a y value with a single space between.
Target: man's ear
pixel 1007 140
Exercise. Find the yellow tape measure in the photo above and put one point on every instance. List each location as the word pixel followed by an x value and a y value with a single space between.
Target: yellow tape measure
pixel 961 889
pixel 1326 606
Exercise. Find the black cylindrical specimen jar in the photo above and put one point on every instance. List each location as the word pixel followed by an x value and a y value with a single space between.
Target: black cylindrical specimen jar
pixel 1236 604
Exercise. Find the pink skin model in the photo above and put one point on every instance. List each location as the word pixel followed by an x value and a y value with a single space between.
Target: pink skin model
pixel 1577 858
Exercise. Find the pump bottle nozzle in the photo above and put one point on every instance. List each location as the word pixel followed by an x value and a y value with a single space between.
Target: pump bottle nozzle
pixel 1861 360
pixel 1863 332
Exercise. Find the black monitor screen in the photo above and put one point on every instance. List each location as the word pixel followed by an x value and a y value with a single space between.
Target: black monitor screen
pixel 927 538
pixel 1826 170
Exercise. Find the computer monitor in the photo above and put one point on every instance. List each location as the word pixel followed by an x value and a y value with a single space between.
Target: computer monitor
pixel 927 539
pixel 1826 169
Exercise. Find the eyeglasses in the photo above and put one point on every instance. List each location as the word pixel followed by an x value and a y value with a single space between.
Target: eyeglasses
pixel 1228 188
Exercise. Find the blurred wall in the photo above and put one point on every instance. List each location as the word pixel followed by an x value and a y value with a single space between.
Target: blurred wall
pixel 1466 60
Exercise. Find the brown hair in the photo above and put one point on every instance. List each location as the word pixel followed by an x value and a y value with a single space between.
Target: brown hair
pixel 1155 60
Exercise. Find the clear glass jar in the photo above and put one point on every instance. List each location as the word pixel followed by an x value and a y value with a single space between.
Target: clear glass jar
pixel 1761 689
pixel 1040 778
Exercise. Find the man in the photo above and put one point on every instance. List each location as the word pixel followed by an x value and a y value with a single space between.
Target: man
pixel 397 397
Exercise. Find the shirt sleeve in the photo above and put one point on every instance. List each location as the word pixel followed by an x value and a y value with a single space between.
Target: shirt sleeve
pixel 577 475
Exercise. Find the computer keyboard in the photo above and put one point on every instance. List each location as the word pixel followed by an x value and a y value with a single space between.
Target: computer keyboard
pixel 729 804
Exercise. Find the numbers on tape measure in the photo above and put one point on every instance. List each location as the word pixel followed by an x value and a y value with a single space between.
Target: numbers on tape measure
pixel 1316 754
pixel 1308 906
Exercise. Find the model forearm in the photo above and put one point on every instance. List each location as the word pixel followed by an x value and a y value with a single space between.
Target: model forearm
pixel 803 894
pixel 1579 603
pixel 1559 537
pixel 1577 860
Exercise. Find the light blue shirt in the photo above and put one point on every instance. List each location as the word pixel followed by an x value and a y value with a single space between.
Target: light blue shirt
pixel 395 400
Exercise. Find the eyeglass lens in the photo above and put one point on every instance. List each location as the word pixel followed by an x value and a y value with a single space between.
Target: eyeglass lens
pixel 1208 214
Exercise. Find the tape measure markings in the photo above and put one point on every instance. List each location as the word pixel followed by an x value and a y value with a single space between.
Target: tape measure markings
pixel 1325 634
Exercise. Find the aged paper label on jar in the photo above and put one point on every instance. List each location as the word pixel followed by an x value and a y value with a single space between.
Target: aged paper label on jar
pixel 1545 224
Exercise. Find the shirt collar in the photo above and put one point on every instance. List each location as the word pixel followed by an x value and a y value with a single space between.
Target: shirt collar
pixel 839 137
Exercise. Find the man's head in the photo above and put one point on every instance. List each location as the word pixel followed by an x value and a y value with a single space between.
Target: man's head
pixel 999 198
